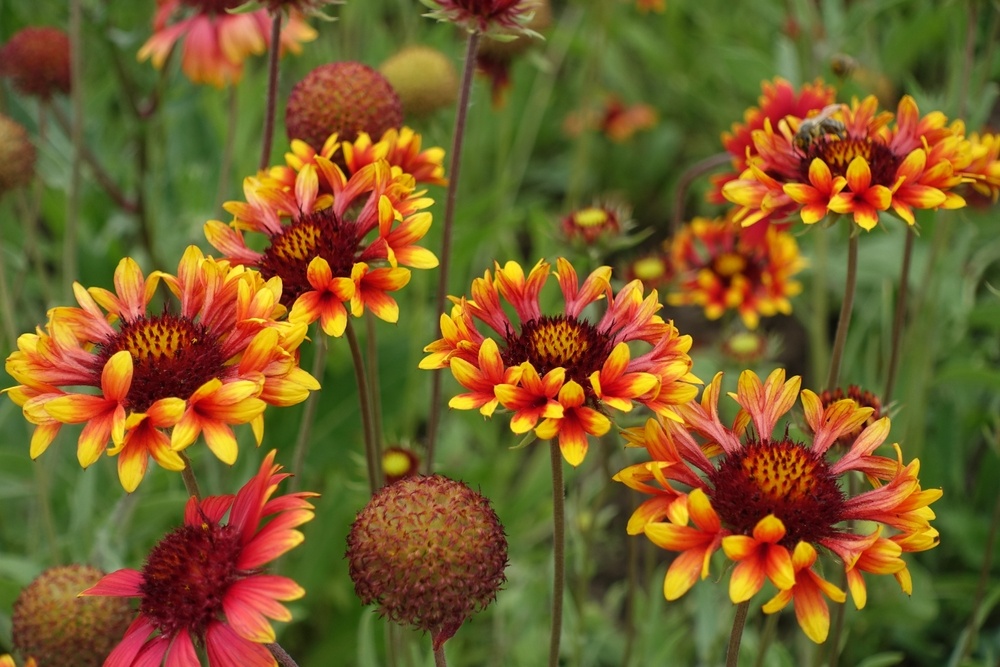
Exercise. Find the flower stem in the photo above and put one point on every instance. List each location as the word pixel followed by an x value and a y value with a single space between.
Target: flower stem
pixel 844 321
pixel 439 660
pixel 281 655
pixel 371 350
pixel 372 456
pixel 898 317
pixel 736 636
pixel 226 164
pixel 69 258
pixel 190 482
pixel 272 90
pixel 454 167
pixel 309 412
pixel 558 552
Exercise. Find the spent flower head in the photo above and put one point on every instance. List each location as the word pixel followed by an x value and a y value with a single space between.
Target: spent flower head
pixel 484 16
pixel 204 586
pixel 54 626
pixel 343 98
pixel 152 383
pixel 430 552
pixel 17 155
pixel 771 502
pixel 36 59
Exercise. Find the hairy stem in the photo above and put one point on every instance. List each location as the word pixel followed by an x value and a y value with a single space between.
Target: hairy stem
pixel 439 660
pixel 373 458
pixel 844 321
pixel 558 552
pixel 454 166
pixel 736 636
pixel 281 655
pixel 190 482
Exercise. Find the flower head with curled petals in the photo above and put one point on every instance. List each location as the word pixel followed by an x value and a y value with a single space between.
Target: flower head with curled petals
pixel 483 15
pixel 216 42
pixel 203 586
pixel 562 374
pixel 772 502
pixel 333 240
pixel 851 160
pixel 153 383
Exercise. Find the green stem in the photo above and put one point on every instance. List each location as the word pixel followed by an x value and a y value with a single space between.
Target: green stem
pixel 819 341
pixel 736 636
pixel 309 412
pixel 984 583
pixel 272 90
pixel 439 660
pixel 461 113
pixel 281 655
pixel 226 164
pixel 371 349
pixel 765 639
pixel 844 321
pixel 558 552
pixel 372 457
pixel 190 482
pixel 898 318
pixel 69 259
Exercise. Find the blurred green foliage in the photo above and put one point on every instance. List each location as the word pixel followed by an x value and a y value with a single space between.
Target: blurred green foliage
pixel 699 65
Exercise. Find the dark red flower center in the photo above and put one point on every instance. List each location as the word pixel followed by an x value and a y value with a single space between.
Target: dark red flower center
pixel 320 234
pixel 559 342
pixel 186 577
pixel 171 356
pixel 838 155
pixel 214 6
pixel 782 478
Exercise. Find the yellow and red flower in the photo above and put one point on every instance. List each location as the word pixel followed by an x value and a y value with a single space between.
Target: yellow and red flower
pixel 591 224
pixel 851 160
pixel 560 375
pixel 333 240
pixel 720 270
pixel 217 42
pixel 983 171
pixel 400 148
pixel 203 585
pixel 771 502
pixel 215 361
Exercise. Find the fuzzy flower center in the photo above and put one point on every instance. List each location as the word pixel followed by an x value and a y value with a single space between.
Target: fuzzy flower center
pixel 320 234
pixel 729 264
pixel 186 577
pixel 781 478
pixel 838 155
pixel 171 357
pixel 559 342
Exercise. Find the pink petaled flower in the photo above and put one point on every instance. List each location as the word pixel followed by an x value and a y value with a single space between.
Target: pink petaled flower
pixel 216 42
pixel 203 585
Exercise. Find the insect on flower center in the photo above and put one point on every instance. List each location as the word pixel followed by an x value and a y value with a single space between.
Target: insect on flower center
pixel 781 478
pixel 559 342
pixel 186 577
pixel 171 356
